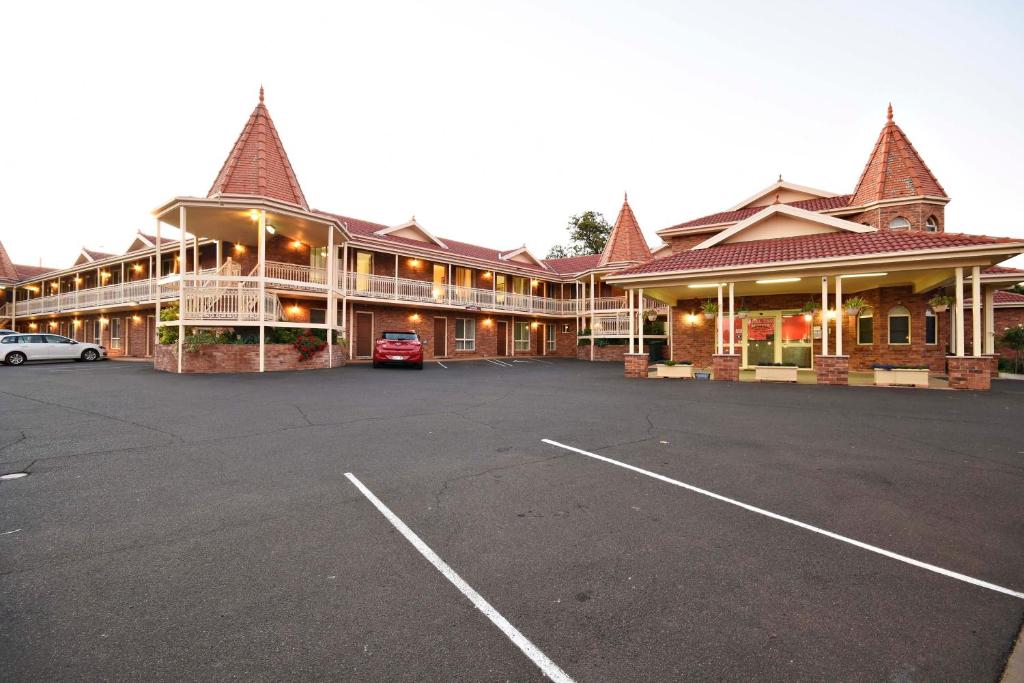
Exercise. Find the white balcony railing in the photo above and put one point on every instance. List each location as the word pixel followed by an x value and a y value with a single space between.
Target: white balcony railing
pixel 230 302
pixel 298 276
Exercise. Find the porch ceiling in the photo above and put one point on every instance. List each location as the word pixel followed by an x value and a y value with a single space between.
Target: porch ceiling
pixel 238 223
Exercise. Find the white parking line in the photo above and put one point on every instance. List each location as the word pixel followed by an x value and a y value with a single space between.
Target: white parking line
pixel 441 364
pixel 549 668
pixel 802 525
pixel 498 362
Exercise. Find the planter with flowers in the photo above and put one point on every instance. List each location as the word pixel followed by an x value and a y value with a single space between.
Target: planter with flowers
pixel 710 309
pixel 676 370
pixel 854 305
pixel 940 303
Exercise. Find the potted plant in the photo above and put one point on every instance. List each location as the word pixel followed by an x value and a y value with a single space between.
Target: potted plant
pixel 742 312
pixel 811 306
pixel 710 309
pixel 651 314
pixel 702 373
pixel 672 369
pixel 941 302
pixel 775 372
pixel 854 305
pixel 887 375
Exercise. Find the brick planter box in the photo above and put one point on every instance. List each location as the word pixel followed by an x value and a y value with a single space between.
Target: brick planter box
pixel 971 373
pixel 230 358
pixel 636 365
pixel 725 367
pixel 612 352
pixel 832 369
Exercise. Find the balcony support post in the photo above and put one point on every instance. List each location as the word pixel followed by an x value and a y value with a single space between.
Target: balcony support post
pixel 976 311
pixel 261 241
pixel 718 323
pixel 990 321
pixel 824 315
pixel 732 319
pixel 959 312
pixel 640 315
pixel 629 309
pixel 154 274
pixel 181 283
pixel 332 301
pixel 839 316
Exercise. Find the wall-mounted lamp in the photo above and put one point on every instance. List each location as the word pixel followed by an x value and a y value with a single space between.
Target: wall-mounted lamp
pixel 486 275
pixel 534 283
pixel 488 322
pixel 239 248
pixel 254 215
pixel 76 323
pixel 295 309
pixel 296 244
pixel 534 325
pixel 415 318
pixel 53 324
pixel 137 267
pixel 691 319
pixel 271 229
pixel 32 326
pixel 414 263
pixel 808 317
pixel 136 318
pixel 830 314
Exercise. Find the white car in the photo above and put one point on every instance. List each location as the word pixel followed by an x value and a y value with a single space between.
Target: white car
pixel 15 349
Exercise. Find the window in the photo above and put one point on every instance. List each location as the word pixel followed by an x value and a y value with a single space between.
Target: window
pixel 522 338
pixel 318 316
pixel 56 339
pixel 318 257
pixel 115 333
pixel 931 225
pixel 400 336
pixel 899 223
pixel 500 286
pixel 465 334
pixel 565 328
pixel 931 327
pixel 520 285
pixel 364 268
pixel 10 339
pixel 552 345
pixel 463 277
pixel 97 332
pixel 440 279
pixel 865 327
pixel 899 325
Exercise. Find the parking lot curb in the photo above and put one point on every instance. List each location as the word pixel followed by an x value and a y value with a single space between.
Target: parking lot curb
pixel 1014 671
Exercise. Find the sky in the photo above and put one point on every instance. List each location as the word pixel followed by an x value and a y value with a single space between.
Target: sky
pixel 493 122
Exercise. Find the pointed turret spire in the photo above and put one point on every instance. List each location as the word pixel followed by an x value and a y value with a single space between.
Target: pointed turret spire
pixel 258 165
pixel 894 169
pixel 626 244
pixel 8 273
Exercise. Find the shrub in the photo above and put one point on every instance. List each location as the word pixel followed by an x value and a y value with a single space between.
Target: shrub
pixel 1013 338
pixel 308 345
pixel 169 333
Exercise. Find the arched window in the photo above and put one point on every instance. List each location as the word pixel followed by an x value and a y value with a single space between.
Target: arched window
pixel 899 325
pixel 865 329
pixel 931 225
pixel 931 327
pixel 899 223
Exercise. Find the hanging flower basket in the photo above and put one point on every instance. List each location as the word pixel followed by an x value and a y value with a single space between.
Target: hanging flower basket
pixel 940 303
pixel 854 305
pixel 710 309
pixel 742 313
pixel 651 314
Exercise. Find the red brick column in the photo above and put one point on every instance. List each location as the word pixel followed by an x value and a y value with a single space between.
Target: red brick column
pixel 832 369
pixel 972 373
pixel 994 359
pixel 636 365
pixel 726 368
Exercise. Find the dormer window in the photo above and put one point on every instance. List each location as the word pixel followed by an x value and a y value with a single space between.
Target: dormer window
pixel 899 223
pixel 931 225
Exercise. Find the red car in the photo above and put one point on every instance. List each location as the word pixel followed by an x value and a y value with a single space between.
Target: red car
pixel 403 348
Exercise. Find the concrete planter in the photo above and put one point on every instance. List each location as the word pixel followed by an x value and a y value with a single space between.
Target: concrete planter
pixel 675 371
pixel 901 377
pixel 774 373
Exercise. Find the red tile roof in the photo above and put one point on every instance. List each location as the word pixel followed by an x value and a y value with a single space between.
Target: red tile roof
pixel 809 248
pixel 26 272
pixel 97 255
pixel 1004 297
pixel 258 165
pixel 1001 270
pixel 360 228
pixel 626 243
pixel 816 204
pixel 7 269
pixel 894 170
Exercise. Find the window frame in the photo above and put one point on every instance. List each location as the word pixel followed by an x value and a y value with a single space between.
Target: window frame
pixel 902 227
pixel 870 315
pixel 465 342
pixel 894 312
pixel 517 343
pixel 929 314
pixel 550 337
pixel 115 341
pixel 931 224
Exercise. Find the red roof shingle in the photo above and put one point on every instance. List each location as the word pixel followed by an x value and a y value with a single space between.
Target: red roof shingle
pixel 816 204
pixel 7 270
pixel 258 165
pixel 626 243
pixel 809 248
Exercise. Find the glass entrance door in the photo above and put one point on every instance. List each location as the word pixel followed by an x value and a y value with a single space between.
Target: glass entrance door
pixel 777 337
pixel 796 339
pixel 759 338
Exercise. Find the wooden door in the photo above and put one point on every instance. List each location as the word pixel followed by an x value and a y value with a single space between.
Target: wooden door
pixel 539 339
pixel 440 337
pixel 364 335
pixel 502 334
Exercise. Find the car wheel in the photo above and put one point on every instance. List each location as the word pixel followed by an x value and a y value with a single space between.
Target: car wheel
pixel 419 366
pixel 15 358
pixel 90 355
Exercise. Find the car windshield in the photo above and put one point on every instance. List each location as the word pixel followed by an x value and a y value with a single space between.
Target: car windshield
pixel 399 336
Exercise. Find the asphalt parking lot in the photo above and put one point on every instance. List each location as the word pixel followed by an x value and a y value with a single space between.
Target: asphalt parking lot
pixel 201 527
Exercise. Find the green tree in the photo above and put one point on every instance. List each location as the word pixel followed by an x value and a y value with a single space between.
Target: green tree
pixel 588 233
pixel 1018 288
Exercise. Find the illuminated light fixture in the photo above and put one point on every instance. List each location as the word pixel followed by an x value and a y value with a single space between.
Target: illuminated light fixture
pixel 76 323
pixel 271 229
pixel 486 275
pixel 296 244
pixel 137 267
pixel 78 280
pixel 808 317
pixel 534 282
pixel 136 318
pixel 830 314
pixel 103 321
pixel 692 319
pixel 254 214
pixel 705 286
pixel 133 303
pixel 846 277
pixel 415 317
pixel 414 263
pixel 488 322
pixel 534 324
pixel 53 324
pixel 777 280
pixel 104 274
pixel 239 248
pixel 54 285
pixel 32 326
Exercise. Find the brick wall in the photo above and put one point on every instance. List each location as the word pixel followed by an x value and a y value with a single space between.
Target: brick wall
pixel 229 358
pixel 832 369
pixel 636 365
pixel 725 368
pixel 686 242
pixel 696 343
pixel 1003 318
pixel 606 353
pixel 401 318
pixel 915 212
pixel 970 373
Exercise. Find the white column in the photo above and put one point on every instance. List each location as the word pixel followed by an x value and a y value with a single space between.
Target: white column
pixel 332 301
pixel 154 276
pixel 632 320
pixel 219 256
pixel 732 319
pixel 344 292
pixel 839 316
pixel 640 308
pixel 824 315
pixel 182 261
pixel 195 259
pixel 718 322
pixel 990 321
pixel 976 310
pixel 959 324
pixel 396 275
pixel 261 241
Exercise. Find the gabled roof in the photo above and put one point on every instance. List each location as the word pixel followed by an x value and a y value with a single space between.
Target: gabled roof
pixel 8 273
pixel 411 227
pixel 820 223
pixel 258 165
pixel 573 264
pixel 895 170
pixel 26 272
pixel 521 255
pixel 736 215
pixel 768 194
pixel 1005 298
pixel 90 255
pixel 1002 270
pixel 626 243
pixel 811 248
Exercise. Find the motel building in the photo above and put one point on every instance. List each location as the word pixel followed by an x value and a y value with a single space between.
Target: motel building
pixel 768 281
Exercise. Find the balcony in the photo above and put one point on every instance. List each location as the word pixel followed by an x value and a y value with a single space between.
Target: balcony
pixel 139 291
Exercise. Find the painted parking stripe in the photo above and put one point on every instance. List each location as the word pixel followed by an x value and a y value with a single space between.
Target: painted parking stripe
pixel 548 667
pixel 441 364
pixel 500 363
pixel 794 522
